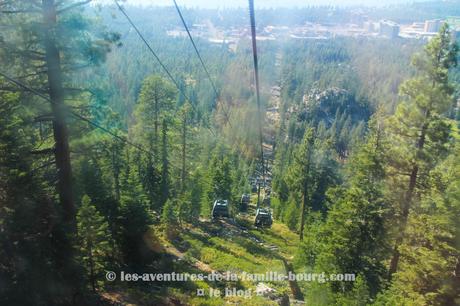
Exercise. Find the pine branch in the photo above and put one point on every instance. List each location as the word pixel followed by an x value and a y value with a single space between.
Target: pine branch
pixel 43 151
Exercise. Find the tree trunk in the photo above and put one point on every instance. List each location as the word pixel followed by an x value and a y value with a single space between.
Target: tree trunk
pixel 408 200
pixel 184 144
pixel 305 188
pixel 156 128
pixel 116 176
pixel 302 217
pixel 65 230
pixel 91 269
pixel 404 217
pixel 165 164
pixel 56 93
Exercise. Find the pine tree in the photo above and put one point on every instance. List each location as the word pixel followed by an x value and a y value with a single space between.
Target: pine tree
pixel 169 217
pixel 134 218
pixel 196 194
pixel 165 180
pixel 54 41
pixel 353 235
pixel 133 224
pixel 94 240
pixel 185 122
pixel 311 173
pixel 418 130
pixel 429 265
pixel 300 174
pixel 168 214
pixel 222 179
pixel 156 100
pixel 28 270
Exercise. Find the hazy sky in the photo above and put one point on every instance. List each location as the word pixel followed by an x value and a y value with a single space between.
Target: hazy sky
pixel 265 3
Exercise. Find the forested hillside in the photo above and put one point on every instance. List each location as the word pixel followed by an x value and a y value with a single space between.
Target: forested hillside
pixel 122 152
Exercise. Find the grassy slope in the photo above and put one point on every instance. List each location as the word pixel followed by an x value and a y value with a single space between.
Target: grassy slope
pixel 236 247
pixel 206 247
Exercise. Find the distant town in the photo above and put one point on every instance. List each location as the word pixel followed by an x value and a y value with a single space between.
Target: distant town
pixel 388 29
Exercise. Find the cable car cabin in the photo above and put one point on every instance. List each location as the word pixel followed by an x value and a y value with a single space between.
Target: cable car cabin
pixel 245 199
pixel 263 218
pixel 220 209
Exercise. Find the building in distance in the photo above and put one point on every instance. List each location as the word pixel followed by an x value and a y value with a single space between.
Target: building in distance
pixel 389 29
pixel 433 26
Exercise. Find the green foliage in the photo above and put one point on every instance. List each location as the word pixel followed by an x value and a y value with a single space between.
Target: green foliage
pixel 221 178
pixel 427 273
pixel 169 213
pixel 358 296
pixel 352 173
pixel 165 184
pixel 94 241
pixel 313 171
pixel 26 47
pixel 153 111
pixel 427 98
pixel 133 224
pixel 420 138
pixel 156 100
pixel 353 235
pixel 28 267
pixel 299 174
pixel 195 194
pixel 291 215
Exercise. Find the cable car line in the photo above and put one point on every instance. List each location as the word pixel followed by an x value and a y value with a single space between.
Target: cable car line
pixel 80 117
pixel 196 49
pixel 123 139
pixel 120 8
pixel 256 77
pixel 201 59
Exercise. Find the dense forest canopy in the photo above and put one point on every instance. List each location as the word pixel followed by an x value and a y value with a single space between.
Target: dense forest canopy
pixel 121 152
